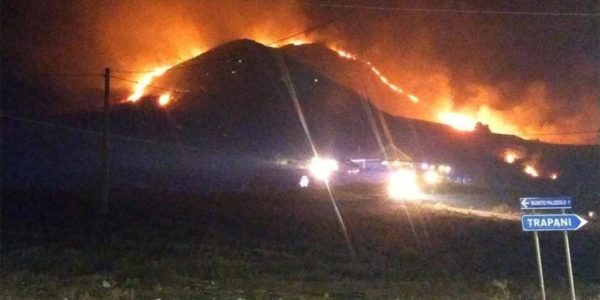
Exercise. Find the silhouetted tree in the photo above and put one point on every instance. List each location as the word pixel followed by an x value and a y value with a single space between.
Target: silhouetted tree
pixel 481 128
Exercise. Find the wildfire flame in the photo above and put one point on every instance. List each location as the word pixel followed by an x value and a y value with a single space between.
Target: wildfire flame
pixel 531 171
pixel 298 42
pixel 347 55
pixel 461 122
pixel 144 81
pixel 164 99
pixel 413 98
pixel 511 156
pixel 393 87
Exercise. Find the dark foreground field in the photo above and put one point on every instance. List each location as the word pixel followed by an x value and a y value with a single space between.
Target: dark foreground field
pixel 271 245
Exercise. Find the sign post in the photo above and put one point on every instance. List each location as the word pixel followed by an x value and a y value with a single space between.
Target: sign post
pixel 551 222
pixel 569 265
pixel 538 254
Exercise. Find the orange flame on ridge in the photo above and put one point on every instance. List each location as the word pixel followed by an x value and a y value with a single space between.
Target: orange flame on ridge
pixel 144 81
pixel 459 121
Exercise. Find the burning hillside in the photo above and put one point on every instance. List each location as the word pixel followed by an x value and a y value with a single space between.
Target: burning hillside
pixel 360 70
pixel 359 75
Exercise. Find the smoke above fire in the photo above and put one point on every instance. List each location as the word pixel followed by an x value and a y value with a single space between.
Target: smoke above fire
pixel 518 74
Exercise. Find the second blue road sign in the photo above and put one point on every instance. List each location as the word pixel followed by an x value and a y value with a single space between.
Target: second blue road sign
pixel 545 202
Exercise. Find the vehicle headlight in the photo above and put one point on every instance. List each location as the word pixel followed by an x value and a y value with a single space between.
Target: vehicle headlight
pixel 403 184
pixel 322 168
pixel 432 177
pixel 304 181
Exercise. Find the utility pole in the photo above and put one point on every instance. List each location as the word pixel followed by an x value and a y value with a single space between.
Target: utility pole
pixel 105 144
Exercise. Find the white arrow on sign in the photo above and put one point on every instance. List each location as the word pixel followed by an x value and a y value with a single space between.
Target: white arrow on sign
pixel 582 220
pixel 524 202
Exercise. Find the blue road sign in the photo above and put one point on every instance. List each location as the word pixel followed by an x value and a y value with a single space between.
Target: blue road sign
pixel 552 222
pixel 545 202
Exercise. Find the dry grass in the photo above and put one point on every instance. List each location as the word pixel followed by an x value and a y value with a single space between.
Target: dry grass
pixel 271 245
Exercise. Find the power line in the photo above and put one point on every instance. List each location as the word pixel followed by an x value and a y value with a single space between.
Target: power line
pixel 145 85
pixel 309 29
pixel 563 133
pixel 70 74
pixel 157 87
pixel 94 132
pixel 140 140
pixel 60 126
pixel 200 64
pixel 451 11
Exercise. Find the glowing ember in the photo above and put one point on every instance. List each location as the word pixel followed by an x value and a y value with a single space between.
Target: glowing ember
pixel 164 99
pixel 413 98
pixel 510 157
pixel 146 79
pixel 345 54
pixel 458 121
pixel 531 171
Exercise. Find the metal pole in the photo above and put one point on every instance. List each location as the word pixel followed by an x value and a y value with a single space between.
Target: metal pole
pixel 569 265
pixel 538 253
pixel 539 263
pixel 105 136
